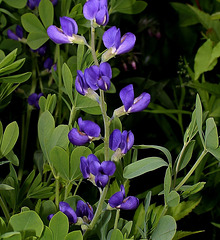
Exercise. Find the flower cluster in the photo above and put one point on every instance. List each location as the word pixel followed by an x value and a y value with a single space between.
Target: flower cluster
pixel 83 211
pixel 92 169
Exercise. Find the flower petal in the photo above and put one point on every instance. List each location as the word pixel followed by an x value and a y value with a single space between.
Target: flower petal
pixel 101 180
pixel 90 128
pixel 90 9
pixel 102 16
pixel 140 103
pixel 57 35
pixel 127 43
pixel 106 69
pixel 122 188
pixel 19 31
pixel 32 99
pixel 115 139
pixel 127 96
pixel 12 35
pixel 80 83
pixel 77 138
pixel 116 199
pixel 104 83
pixel 81 209
pixel 68 25
pixel 94 167
pixel 91 77
pixel 109 37
pixel 130 203
pixel 84 167
pixel 68 211
pixel 108 167
pixel 130 140
pixel 48 63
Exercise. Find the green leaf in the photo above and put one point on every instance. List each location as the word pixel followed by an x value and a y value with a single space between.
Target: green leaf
pixel 12 158
pixel 36 39
pixel 46 125
pixel 9 139
pixel 138 220
pixel 173 199
pixel 11 236
pixel 16 4
pixel 183 209
pixel 189 190
pixel 46 234
pixel 2 226
pixel 87 105
pixel 186 156
pixel 136 8
pixel 28 222
pixel 76 235
pixel 162 149
pixel 60 160
pixel 8 59
pixel 215 153
pixel 19 78
pixel 127 229
pixel 13 67
pixel 78 152
pixel 165 229
pixel 59 225
pixel 68 81
pixel 5 187
pixel 186 15
pixel 143 166
pixel 211 134
pixel 182 234
pixel 115 234
pixel 32 24
pixel 167 184
pixel 46 12
pixel 199 117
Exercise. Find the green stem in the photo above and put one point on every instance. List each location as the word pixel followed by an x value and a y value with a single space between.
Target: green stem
pixel 192 169
pixel 57 191
pixel 116 218
pixel 106 124
pixel 93 45
pixel 4 209
pixel 66 190
pixel 77 187
pixel 72 116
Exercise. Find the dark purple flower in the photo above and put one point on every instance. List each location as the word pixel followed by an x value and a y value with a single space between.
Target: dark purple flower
pixel 99 77
pixel 67 33
pixel 88 130
pixel 132 104
pixel 84 210
pixel 116 44
pixel 48 64
pixel 41 50
pixel 91 167
pixel 18 35
pixel 81 84
pixel 68 211
pixel 32 4
pixel 96 10
pixel 119 201
pixel 54 2
pixel 123 141
pixel 33 99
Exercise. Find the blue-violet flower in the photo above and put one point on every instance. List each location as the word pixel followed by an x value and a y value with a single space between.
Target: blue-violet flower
pixel 67 33
pixel 131 104
pixel 84 210
pixel 116 44
pixel 96 10
pixel 18 35
pixel 68 211
pixel 119 201
pixel 88 131
pixel 91 167
pixel 121 143
pixel 33 99
pixel 48 64
pixel 99 77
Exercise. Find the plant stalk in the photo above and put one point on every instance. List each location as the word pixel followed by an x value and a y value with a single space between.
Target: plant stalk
pixel 4 209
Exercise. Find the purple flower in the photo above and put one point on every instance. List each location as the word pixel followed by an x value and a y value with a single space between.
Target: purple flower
pixel 81 84
pixel 33 3
pixel 99 77
pixel 67 32
pixel 54 2
pixel 48 64
pixel 33 99
pixel 84 210
pixel 96 10
pixel 87 132
pixel 119 201
pixel 122 141
pixel 18 35
pixel 132 104
pixel 67 210
pixel 41 50
pixel 91 166
pixel 116 44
